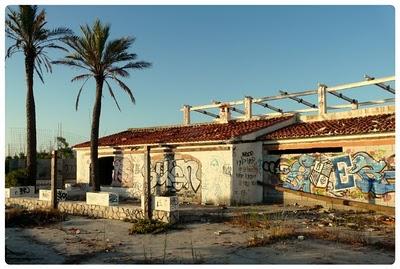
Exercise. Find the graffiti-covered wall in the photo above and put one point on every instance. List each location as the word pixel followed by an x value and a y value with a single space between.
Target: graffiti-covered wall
pixel 247 170
pixel 365 174
pixel 195 176
pixel 201 177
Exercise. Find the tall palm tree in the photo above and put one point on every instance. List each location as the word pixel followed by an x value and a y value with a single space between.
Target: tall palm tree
pixel 27 29
pixel 104 61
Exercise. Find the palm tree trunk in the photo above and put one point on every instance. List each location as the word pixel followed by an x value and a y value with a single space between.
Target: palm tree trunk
pixel 94 136
pixel 30 121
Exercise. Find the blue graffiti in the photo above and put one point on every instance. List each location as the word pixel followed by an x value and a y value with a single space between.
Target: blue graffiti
pixel 341 173
pixel 371 176
pixel 300 174
pixel 373 180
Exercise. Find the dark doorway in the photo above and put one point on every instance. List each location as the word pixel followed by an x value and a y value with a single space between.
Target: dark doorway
pixel 106 166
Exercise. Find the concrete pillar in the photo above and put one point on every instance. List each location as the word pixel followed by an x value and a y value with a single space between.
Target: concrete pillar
pixel 354 106
pixel 147 210
pixel 169 159
pixel 186 114
pixel 322 99
pixel 248 101
pixel 224 113
pixel 53 197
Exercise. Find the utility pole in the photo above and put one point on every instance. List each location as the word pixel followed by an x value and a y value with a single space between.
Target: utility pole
pixel 147 208
pixel 53 196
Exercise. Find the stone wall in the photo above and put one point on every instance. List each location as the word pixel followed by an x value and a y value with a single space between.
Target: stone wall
pixel 28 203
pixel 124 212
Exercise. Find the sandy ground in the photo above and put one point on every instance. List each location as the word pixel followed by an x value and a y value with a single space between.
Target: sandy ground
pixel 99 241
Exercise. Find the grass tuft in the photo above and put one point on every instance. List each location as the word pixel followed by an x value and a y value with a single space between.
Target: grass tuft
pixel 149 226
pixel 23 218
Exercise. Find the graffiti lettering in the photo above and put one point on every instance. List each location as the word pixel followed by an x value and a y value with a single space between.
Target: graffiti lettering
pixel 61 195
pixel 227 169
pixel 343 179
pixel 24 190
pixel 113 198
pixel 337 175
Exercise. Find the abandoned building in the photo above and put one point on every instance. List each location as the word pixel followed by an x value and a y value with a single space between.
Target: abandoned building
pixel 230 161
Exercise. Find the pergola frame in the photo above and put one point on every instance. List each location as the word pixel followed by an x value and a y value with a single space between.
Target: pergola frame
pixel 321 92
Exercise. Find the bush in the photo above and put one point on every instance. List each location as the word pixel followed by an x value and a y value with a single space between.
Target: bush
pixel 16 178
pixel 23 218
pixel 149 226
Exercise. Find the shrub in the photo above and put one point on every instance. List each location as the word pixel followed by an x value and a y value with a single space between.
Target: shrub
pixel 148 226
pixel 23 218
pixel 17 178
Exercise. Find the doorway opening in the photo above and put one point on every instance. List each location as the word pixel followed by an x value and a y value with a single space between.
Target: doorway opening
pixel 106 167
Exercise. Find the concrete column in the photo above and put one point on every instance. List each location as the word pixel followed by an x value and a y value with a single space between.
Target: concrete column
pixel 169 157
pixel 322 99
pixel 354 106
pixel 53 196
pixel 224 113
pixel 248 101
pixel 147 212
pixel 186 114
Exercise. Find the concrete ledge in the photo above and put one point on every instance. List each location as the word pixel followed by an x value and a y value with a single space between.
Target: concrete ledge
pixel 45 195
pixel 309 199
pixel 125 212
pixel 122 191
pixel 22 191
pixel 102 198
pixel 167 204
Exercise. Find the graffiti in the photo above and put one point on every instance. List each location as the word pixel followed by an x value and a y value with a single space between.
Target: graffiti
pixel 227 169
pixel 61 195
pixel 246 171
pixel 176 174
pixel 338 175
pixel 275 167
pixel 117 172
pixel 214 163
pixel 113 198
pixel 24 190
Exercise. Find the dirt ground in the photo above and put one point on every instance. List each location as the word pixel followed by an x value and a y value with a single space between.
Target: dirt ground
pixel 100 241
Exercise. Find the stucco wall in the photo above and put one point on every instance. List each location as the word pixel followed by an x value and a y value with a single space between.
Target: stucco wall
pixel 247 170
pixel 82 166
pixel 359 173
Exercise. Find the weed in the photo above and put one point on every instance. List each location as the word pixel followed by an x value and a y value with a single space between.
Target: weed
pixel 25 218
pixel 165 247
pixel 276 234
pixel 196 258
pixel 149 226
pixel 251 220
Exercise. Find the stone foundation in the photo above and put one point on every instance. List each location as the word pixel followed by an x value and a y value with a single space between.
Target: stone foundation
pixel 121 212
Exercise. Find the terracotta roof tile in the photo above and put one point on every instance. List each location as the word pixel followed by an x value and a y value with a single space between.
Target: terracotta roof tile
pixel 350 126
pixel 190 133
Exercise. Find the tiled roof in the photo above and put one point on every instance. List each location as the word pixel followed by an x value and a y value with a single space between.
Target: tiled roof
pixel 350 126
pixel 190 133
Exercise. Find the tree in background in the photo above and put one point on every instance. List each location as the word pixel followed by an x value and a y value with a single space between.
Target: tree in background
pixel 103 61
pixel 26 28
pixel 64 150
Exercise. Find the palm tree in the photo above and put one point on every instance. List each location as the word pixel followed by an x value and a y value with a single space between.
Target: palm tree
pixel 26 28
pixel 104 61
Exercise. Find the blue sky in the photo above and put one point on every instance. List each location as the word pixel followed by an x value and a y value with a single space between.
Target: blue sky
pixel 205 53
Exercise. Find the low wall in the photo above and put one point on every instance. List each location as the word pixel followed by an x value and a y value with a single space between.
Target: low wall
pixel 123 212
pixel 306 199
pixel 359 173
